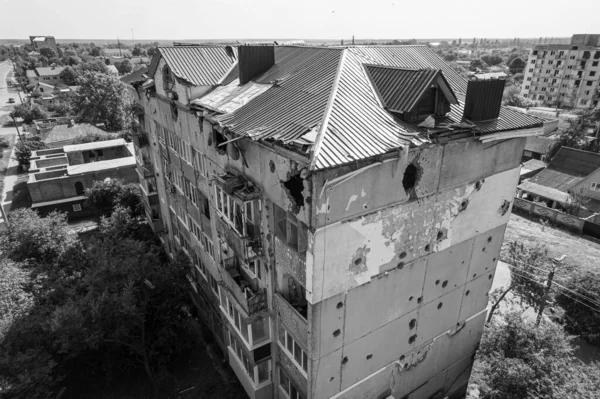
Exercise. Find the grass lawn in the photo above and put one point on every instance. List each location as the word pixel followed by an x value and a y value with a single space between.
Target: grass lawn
pixel 582 251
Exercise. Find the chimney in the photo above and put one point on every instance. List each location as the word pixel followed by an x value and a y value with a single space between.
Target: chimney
pixel 484 98
pixel 254 60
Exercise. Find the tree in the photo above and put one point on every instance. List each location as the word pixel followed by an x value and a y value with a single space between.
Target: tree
pixel 574 135
pixel 23 150
pixel 478 64
pixel 69 76
pixel 96 52
pixel 28 113
pixel 516 65
pixel 492 59
pixel 30 236
pixel 47 52
pixel 125 66
pixel 60 109
pixel 528 281
pixel 109 193
pixel 579 304
pixel 512 96
pixel 92 66
pixel 101 99
pixel 517 360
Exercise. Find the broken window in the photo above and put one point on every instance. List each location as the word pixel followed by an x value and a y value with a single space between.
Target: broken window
pixel 290 230
pixel 168 82
pixel 219 138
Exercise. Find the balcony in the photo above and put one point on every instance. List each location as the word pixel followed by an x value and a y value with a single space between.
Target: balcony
pixel 243 288
pixel 145 170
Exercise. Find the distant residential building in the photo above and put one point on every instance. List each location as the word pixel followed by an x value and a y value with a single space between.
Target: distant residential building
pixel 46 94
pixel 58 132
pixel 39 42
pixel 571 171
pixel 49 75
pixel 58 177
pixel 564 74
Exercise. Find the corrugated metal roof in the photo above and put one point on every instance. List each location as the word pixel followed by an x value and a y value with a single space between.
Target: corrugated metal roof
pixel 400 89
pixel 324 96
pixel 568 167
pixel 198 65
pixel 415 57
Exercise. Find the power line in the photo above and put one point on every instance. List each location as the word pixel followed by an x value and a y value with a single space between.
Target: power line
pixel 560 285
pixel 564 288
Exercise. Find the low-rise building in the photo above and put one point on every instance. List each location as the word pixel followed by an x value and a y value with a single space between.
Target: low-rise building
pixel 573 176
pixel 48 75
pixel 58 177
pixel 46 94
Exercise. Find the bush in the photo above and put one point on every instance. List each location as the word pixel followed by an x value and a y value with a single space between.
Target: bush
pixel 23 150
pixel 580 318
pixel 4 143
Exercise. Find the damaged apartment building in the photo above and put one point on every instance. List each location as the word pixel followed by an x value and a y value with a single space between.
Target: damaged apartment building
pixel 343 208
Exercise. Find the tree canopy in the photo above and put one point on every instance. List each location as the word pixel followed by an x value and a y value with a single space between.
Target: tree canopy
pixel 101 99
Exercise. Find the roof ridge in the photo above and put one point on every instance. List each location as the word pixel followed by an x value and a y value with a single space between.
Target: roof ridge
pixel 402 68
pixel 327 114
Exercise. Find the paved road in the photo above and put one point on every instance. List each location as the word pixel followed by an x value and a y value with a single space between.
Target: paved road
pixel 8 131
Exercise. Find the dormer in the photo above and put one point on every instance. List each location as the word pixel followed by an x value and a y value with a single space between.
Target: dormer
pixel 411 94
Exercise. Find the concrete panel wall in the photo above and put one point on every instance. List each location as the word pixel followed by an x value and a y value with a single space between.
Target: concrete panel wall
pixel 350 253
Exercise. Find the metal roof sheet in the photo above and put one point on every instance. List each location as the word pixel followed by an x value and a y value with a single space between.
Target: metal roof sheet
pixel 400 89
pixel 324 96
pixel 198 65
pixel 568 167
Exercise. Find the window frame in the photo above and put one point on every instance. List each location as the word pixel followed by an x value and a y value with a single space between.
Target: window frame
pixel 290 347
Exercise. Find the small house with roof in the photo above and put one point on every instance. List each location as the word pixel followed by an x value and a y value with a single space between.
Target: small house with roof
pixel 572 175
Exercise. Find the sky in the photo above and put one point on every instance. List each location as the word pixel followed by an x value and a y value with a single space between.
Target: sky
pixel 300 19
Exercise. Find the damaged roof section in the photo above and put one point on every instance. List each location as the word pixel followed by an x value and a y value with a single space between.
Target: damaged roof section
pixel 197 65
pixel 335 105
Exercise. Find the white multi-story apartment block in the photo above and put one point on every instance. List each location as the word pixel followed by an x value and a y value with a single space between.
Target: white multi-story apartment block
pixel 564 74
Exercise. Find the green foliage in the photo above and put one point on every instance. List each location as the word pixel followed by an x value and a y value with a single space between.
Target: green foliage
pixel 28 113
pixel 30 236
pixel 4 143
pixel 512 96
pixel 580 316
pixel 93 137
pixel 47 52
pixel 92 65
pixel 69 76
pixel 125 66
pixel 23 150
pixel 529 281
pixel 478 64
pixel 492 59
pixel 60 109
pixel 109 193
pixel 101 99
pixel 574 135
pixel 517 65
pixel 516 360
pixel 83 308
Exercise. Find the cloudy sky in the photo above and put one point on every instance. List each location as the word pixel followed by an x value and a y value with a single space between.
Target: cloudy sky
pixel 301 19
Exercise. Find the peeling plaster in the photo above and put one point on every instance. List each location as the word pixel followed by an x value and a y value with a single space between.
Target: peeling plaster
pixel 351 200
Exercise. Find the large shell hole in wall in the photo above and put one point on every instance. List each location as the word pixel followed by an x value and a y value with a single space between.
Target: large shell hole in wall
pixel 218 139
pixel 294 187
pixel 411 175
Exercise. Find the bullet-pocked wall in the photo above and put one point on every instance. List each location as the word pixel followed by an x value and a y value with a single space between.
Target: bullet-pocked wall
pixel 405 250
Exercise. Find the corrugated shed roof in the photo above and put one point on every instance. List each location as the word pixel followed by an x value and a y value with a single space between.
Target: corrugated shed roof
pixel 198 65
pixel 399 88
pixel 568 167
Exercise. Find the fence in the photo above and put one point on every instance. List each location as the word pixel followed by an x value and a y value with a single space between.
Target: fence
pixel 572 222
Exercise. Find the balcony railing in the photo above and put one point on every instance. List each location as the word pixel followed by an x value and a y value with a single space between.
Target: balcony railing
pixel 146 170
pixel 252 300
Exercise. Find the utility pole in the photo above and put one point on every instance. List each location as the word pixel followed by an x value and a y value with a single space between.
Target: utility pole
pixel 555 262
pixel 119 44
